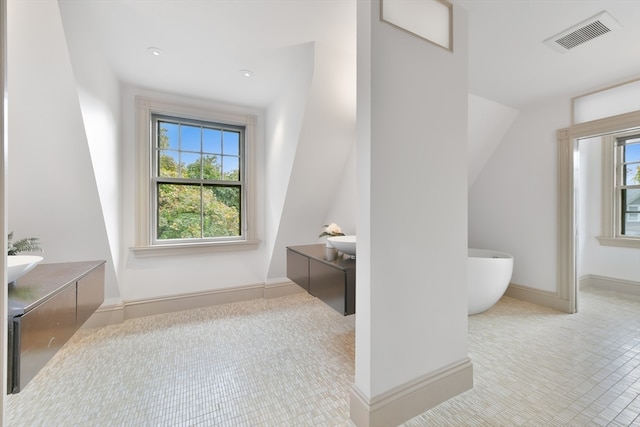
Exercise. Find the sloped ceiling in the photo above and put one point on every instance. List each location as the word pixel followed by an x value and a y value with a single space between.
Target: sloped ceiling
pixel 510 64
pixel 205 44
pixel 488 122
pixel 210 41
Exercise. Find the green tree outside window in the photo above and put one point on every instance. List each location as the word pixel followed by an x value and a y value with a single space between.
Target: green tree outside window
pixel 198 191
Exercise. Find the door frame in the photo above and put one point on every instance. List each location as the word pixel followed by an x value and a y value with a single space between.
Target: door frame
pixel 568 164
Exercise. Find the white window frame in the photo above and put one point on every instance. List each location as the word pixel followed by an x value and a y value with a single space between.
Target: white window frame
pixel 145 245
pixel 611 188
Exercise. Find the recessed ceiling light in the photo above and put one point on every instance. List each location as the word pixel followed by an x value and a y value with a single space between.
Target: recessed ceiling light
pixel 154 51
pixel 246 73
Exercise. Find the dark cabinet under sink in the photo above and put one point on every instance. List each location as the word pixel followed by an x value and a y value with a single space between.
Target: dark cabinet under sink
pixel 332 281
pixel 46 307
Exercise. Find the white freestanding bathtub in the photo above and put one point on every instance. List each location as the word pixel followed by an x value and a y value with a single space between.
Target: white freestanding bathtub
pixel 489 273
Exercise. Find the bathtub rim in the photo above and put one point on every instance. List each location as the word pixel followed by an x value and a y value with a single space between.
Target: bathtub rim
pixel 487 254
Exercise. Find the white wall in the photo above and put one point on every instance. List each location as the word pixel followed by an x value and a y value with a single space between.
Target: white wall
pixel 99 96
pixel 284 121
pixel 53 190
pixel 72 167
pixel 343 208
pixel 488 122
pixel 3 210
pixel 326 135
pixel 594 258
pixel 159 276
pixel 512 204
pixel 412 204
pixel 513 207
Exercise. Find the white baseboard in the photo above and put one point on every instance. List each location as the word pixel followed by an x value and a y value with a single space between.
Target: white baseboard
pixel 539 297
pixel 411 399
pixel 609 284
pixel 281 289
pixel 106 315
pixel 113 313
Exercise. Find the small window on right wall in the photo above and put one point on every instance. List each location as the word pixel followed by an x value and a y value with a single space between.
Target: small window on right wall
pixel 621 189
pixel 628 184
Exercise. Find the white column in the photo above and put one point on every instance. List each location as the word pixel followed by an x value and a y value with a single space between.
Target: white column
pixel 411 321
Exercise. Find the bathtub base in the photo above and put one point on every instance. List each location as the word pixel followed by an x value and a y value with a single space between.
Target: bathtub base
pixel 489 273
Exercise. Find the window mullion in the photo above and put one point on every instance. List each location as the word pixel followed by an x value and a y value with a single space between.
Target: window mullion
pixel 618 214
pixel 201 210
pixel 622 213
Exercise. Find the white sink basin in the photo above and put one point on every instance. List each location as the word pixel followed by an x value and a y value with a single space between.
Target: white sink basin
pixel 345 244
pixel 18 265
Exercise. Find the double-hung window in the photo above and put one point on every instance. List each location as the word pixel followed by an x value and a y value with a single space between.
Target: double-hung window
pixel 621 189
pixel 194 188
pixel 628 185
pixel 198 180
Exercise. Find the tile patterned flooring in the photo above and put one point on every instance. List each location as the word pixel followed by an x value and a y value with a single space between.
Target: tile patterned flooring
pixel 289 362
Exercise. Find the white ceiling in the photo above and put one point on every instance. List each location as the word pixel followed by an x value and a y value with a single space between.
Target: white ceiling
pixel 207 42
pixel 510 64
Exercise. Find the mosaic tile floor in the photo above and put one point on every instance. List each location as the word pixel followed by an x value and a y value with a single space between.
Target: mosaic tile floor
pixel 289 362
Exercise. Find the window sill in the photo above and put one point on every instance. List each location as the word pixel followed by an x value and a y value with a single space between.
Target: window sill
pixel 193 248
pixel 623 242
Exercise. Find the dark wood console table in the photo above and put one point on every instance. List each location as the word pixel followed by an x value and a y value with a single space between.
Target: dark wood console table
pixel 46 307
pixel 332 281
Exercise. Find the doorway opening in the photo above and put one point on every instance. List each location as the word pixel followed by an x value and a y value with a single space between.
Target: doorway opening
pixel 569 168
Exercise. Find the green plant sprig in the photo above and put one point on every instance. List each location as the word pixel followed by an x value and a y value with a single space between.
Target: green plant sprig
pixel 28 244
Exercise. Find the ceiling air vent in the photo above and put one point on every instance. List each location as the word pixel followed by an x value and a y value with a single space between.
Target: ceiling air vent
pixel 593 27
